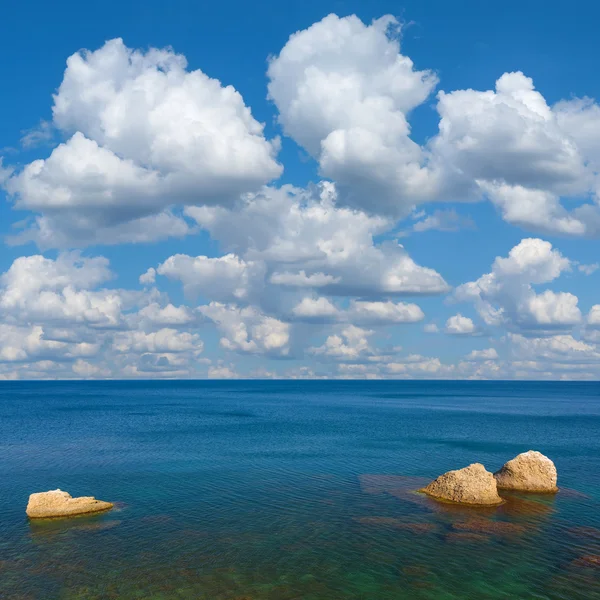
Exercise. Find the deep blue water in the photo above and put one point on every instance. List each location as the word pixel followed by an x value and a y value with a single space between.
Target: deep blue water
pixel 288 490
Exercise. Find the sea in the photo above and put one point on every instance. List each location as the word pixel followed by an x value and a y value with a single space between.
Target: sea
pixel 289 490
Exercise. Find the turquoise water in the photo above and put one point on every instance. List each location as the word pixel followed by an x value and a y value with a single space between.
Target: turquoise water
pixel 295 490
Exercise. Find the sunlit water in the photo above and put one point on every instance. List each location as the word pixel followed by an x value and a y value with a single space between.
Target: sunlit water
pixel 295 490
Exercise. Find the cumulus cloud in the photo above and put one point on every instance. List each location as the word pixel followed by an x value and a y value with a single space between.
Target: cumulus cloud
pixel 459 325
pixel 246 330
pixel 359 312
pixel 224 278
pixel 164 340
pixel 166 315
pixel 343 91
pixel 563 348
pixel 487 354
pixel 373 313
pixel 352 343
pixel 315 308
pixel 511 146
pixel 593 318
pixel 145 134
pixel 506 296
pixel 36 288
pixel 305 238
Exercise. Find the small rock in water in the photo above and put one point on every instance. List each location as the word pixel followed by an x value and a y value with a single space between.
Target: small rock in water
pixel 528 472
pixel 57 503
pixel 473 485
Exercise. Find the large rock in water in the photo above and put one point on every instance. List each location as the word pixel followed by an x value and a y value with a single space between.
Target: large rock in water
pixel 528 472
pixel 57 503
pixel 471 485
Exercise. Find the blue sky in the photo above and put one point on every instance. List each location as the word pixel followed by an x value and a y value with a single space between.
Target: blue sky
pixel 314 189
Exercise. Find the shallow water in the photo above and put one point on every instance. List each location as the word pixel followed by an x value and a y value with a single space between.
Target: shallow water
pixel 295 490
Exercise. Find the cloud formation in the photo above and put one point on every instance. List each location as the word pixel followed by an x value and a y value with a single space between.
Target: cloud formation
pixel 329 276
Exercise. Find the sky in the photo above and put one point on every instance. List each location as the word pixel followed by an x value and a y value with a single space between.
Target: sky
pixel 305 189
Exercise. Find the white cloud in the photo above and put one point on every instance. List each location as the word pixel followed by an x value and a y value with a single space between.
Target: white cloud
pixel 505 296
pixel 351 344
pixel 87 370
pixel 167 315
pixel 431 328
pixel 588 269
pixel 558 348
pixel 331 248
pixel 343 92
pixel 373 313
pixel 41 289
pixel 225 278
pixel 487 354
pixel 459 325
pixel 511 146
pixel 247 330
pixel 222 372
pixel 26 343
pixel 593 318
pixel 149 277
pixel 416 366
pixel 163 340
pixel 315 308
pixel 146 134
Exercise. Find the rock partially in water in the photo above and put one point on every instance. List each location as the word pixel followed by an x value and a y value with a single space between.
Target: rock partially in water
pixel 56 503
pixel 528 472
pixel 473 485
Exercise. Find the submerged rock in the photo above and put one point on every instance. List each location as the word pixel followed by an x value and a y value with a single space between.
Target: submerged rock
pixel 589 560
pixel 528 472
pixel 490 527
pixel 393 523
pixel 57 503
pixel 472 485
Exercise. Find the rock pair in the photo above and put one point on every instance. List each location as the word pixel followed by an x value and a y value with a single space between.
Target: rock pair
pixel 527 472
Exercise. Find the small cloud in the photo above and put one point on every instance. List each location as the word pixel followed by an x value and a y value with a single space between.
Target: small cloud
pixel 487 354
pixel 431 328
pixel 37 136
pixel 459 325
pixel 589 269
pixel 441 220
pixel 149 277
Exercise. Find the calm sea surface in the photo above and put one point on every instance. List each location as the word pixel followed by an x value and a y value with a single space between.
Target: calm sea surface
pixel 295 490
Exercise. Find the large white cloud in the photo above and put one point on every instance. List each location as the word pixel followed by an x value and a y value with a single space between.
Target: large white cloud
pixel 506 295
pixel 38 289
pixel 145 134
pixel 343 92
pixel 307 240
pixel 511 146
